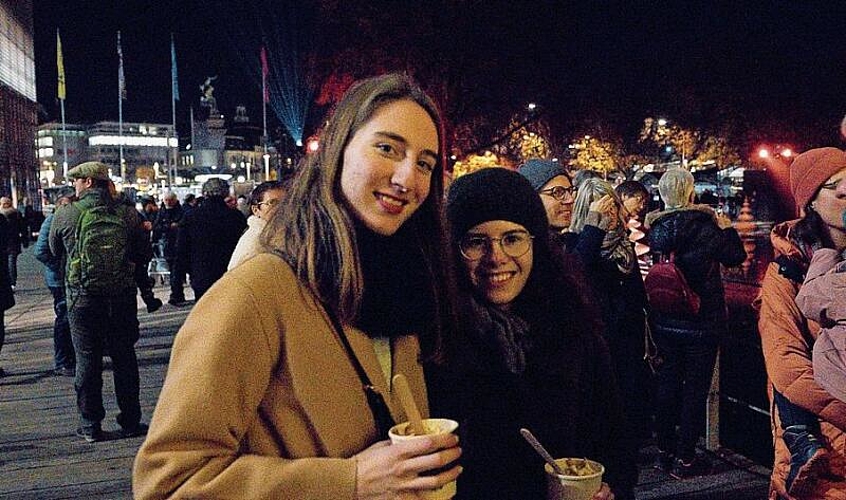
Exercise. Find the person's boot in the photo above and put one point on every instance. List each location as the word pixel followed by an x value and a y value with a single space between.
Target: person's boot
pixel 808 460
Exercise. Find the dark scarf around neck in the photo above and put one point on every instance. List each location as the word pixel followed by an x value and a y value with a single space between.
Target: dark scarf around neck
pixel 507 335
pixel 397 297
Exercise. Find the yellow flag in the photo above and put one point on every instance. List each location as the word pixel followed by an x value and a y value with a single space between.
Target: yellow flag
pixel 60 63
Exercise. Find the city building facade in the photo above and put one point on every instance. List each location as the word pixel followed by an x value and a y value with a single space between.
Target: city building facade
pixel 147 150
pixel 18 107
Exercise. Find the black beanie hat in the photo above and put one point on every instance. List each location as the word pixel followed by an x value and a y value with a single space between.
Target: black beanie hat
pixel 494 194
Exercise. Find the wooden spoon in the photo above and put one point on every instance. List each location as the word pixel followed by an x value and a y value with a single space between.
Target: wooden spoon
pixel 408 404
pixel 528 436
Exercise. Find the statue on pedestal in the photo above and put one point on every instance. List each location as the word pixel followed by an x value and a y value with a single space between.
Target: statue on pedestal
pixel 207 100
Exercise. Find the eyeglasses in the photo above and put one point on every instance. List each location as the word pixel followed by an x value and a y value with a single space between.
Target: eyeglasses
pixel 831 185
pixel 513 244
pixel 559 192
pixel 270 203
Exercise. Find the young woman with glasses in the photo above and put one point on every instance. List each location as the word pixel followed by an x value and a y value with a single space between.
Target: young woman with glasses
pixel 528 353
pixel 265 395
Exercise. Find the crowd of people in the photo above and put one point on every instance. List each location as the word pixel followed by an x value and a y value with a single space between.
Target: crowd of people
pixel 509 299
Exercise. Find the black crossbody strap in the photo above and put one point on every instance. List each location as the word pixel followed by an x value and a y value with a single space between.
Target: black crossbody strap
pixel 378 407
pixel 362 375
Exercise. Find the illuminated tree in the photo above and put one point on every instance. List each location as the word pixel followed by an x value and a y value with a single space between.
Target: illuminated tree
pixel 718 150
pixel 473 163
pixel 693 148
pixel 527 139
pixel 596 154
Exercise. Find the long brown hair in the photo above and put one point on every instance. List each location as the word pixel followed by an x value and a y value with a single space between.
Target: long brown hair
pixel 313 229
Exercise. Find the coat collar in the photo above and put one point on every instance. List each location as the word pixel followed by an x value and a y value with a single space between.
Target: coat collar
pixel 652 217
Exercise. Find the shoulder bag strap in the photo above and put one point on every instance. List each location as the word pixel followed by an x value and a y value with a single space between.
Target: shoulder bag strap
pixel 378 407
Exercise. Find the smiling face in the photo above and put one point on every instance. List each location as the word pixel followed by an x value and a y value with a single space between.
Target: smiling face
pixel 498 277
pixel 388 164
pixel 559 212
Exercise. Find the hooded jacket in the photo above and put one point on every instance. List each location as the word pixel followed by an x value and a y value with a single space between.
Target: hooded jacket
pixel 700 246
pixel 786 340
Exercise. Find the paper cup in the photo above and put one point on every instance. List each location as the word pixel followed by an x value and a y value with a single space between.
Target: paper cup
pixel 572 487
pixel 399 433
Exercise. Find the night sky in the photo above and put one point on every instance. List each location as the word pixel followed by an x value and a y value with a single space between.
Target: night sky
pixel 776 70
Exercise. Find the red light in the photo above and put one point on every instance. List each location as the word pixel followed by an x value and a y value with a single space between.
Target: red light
pixel 787 152
pixel 313 145
pixel 763 153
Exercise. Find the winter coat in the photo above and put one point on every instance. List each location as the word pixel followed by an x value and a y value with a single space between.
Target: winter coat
pixel 249 245
pixel 621 299
pixel 822 298
pixel 62 236
pixel 164 232
pixel 567 396
pixel 261 400
pixel 206 240
pixel 7 296
pixel 621 296
pixel 17 232
pixel 786 339
pixel 700 247
pixel 54 270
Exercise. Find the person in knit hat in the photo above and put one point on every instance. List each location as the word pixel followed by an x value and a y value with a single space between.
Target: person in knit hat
pixel 806 416
pixel 504 369
pixel 555 187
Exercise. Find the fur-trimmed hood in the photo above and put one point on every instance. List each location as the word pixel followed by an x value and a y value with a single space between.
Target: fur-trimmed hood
pixel 651 217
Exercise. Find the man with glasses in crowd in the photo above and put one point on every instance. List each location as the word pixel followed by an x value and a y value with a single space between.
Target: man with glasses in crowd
pixel 556 191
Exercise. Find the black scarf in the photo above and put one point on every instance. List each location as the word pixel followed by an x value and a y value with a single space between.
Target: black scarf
pixel 397 296
pixel 507 335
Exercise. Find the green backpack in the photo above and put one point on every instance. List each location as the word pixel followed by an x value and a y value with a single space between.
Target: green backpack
pixel 99 264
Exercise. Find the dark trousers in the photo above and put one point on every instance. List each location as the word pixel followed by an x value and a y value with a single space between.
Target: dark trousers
pixel 790 414
pixel 682 388
pixel 177 280
pixel 63 354
pixel 99 323
pixel 12 259
pixel 2 329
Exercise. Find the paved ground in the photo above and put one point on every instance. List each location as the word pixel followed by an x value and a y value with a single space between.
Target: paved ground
pixel 40 458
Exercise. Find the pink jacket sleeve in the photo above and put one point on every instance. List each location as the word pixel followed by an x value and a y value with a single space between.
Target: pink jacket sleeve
pixel 823 295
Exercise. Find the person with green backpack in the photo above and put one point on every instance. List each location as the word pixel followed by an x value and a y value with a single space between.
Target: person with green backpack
pixel 103 241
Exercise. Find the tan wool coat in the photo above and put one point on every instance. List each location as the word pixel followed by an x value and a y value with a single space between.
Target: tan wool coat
pixel 260 399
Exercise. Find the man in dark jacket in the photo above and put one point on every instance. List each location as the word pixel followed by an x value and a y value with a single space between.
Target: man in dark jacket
pixel 165 232
pixel 700 242
pixel 102 319
pixel 208 236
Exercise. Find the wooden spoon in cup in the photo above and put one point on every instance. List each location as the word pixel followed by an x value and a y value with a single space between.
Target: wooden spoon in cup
pixel 408 404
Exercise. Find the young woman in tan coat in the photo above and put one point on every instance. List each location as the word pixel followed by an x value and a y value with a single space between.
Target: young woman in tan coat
pixel 262 398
